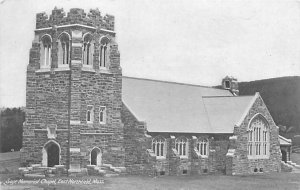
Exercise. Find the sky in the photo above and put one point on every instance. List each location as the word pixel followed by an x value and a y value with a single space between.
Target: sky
pixel 188 41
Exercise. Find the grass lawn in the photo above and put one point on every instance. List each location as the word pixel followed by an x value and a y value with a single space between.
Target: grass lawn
pixel 274 181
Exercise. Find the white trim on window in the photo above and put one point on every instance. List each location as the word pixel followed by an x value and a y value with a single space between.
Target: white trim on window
pixel 182 146
pixel 159 147
pixel 45 51
pixel 258 138
pixel 87 50
pixel 103 53
pixel 202 147
pixel 63 54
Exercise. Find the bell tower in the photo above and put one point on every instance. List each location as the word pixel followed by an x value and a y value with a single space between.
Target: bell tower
pixel 73 91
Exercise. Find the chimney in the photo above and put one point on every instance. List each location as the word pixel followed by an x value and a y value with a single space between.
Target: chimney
pixel 231 84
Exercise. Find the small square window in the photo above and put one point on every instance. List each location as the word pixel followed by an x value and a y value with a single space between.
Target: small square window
pixel 162 173
pixel 184 172
pixel 261 170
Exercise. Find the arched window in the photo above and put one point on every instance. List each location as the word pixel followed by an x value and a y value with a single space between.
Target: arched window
pixel 102 115
pixel 258 138
pixel 64 50
pixel 87 50
pixel 202 147
pixel 46 51
pixel 90 114
pixel 103 52
pixel 181 145
pixel 159 147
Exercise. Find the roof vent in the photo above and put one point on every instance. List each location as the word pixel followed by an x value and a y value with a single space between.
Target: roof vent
pixel 231 83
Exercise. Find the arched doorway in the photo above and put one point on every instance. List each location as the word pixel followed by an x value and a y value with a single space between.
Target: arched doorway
pixel 96 156
pixel 51 154
pixel 284 156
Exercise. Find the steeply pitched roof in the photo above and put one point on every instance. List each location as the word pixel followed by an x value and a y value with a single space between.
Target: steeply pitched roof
pixel 182 108
pixel 224 112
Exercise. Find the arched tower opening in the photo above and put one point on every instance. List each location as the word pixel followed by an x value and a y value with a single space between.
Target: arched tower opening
pixel 96 156
pixel 51 154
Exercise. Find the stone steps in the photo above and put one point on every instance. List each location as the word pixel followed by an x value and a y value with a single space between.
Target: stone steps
pixel 36 170
pixel 285 167
pixel 295 167
pixel 293 164
pixel 106 170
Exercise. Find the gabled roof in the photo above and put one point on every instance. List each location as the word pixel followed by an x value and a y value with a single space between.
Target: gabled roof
pixel 284 141
pixel 183 108
pixel 225 112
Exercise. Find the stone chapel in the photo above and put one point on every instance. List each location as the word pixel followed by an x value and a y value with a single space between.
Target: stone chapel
pixel 82 114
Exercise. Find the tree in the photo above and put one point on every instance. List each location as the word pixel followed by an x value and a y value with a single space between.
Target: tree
pixel 11 129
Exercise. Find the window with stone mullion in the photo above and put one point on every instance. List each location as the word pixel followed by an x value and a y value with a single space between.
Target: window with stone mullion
pixel 87 50
pixel 181 146
pixel 63 50
pixel 45 60
pixel 202 147
pixel 257 139
pixel 103 56
pixel 47 54
pixel 158 147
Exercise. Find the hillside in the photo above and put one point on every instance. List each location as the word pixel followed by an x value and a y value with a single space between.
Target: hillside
pixel 282 97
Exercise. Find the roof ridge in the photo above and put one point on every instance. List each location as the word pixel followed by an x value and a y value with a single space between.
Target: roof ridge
pixel 252 101
pixel 173 82
pixel 228 96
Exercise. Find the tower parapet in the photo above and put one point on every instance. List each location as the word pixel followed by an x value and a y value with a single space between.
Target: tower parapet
pixel 75 16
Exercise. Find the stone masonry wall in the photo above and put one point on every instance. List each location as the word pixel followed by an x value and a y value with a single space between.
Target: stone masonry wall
pixel 141 160
pixel 101 90
pixel 46 104
pixel 240 162
pixel 60 96
pixel 137 159
pixel 193 164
